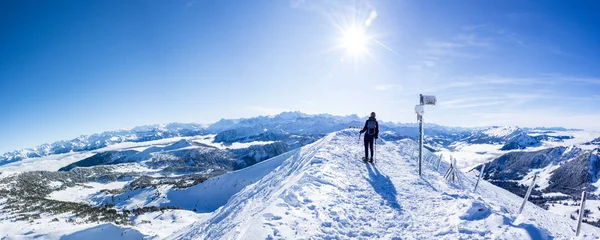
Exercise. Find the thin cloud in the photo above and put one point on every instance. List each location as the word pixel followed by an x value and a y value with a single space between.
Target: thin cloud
pixel 573 79
pixel 560 51
pixel 443 45
pixel 385 87
pixel 473 27
pixel 537 118
pixel 507 35
pixel 452 48
pixel 472 40
pixel 420 65
pixel 486 81
pixel 475 105
pixel 415 67
pixel 469 42
pixel 473 102
pixel 428 63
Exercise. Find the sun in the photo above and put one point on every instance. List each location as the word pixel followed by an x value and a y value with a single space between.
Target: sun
pixel 354 40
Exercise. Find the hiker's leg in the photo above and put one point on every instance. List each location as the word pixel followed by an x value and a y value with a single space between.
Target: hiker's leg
pixel 371 146
pixel 366 148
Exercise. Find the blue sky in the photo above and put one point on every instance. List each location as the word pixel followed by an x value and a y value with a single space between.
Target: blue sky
pixel 77 67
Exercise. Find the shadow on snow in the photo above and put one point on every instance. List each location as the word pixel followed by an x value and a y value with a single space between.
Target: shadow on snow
pixel 383 186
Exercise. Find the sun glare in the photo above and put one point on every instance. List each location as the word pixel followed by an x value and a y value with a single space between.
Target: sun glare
pixel 354 40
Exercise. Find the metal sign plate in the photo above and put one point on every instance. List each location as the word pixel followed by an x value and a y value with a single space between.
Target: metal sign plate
pixel 428 99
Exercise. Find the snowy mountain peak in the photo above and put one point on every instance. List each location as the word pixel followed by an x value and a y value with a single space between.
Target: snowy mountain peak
pixel 502 131
pixel 180 144
pixel 290 115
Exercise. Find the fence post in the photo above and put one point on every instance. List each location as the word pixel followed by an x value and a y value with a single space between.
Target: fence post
pixel 479 179
pixel 449 169
pixel 527 194
pixel 430 159
pixel 448 172
pixel 581 210
pixel 454 170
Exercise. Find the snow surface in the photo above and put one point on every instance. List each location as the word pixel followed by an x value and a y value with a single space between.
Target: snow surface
pixel 500 131
pixel 209 140
pixel 543 180
pixel 47 163
pixel 579 138
pixel 46 228
pixel 103 232
pixel 469 156
pixel 82 192
pixel 324 191
pixel 573 206
pixel 207 196
pixel 164 223
pixel 153 225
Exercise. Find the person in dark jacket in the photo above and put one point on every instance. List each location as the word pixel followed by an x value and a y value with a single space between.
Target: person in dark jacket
pixel 371 131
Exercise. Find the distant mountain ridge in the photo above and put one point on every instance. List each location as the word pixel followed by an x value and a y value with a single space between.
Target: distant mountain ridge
pixel 100 140
pixel 281 127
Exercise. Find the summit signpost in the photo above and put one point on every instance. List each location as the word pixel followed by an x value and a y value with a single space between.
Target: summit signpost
pixel 420 111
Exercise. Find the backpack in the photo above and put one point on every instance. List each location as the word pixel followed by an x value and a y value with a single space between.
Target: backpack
pixel 371 127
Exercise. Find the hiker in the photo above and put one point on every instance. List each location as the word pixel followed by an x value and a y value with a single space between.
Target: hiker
pixel 371 131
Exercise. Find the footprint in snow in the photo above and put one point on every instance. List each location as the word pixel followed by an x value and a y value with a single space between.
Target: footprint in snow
pixel 326 224
pixel 282 205
pixel 448 196
pixel 271 217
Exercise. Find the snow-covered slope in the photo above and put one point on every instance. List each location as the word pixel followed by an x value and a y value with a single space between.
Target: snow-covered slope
pixel 207 196
pixel 324 191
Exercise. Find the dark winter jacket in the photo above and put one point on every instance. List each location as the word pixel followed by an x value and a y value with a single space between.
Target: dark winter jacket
pixel 366 130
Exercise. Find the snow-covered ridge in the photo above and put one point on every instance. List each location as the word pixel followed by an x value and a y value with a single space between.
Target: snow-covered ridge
pixel 324 191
